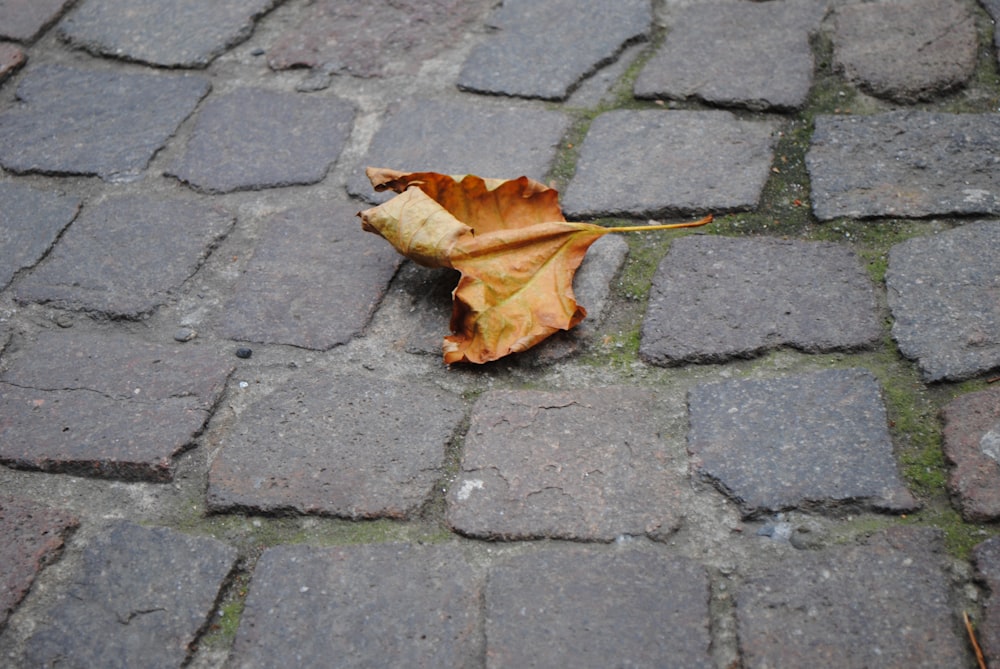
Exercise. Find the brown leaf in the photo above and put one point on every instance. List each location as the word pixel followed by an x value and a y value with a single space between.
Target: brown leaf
pixel 515 250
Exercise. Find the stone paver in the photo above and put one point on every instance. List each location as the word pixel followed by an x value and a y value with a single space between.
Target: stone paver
pixel 883 603
pixel 986 557
pixel 993 8
pixel 126 256
pixel 353 447
pixel 30 221
pixel 459 137
pixel 33 536
pixel 24 20
pixel 718 298
pixel 767 61
pixel 314 280
pixel 906 51
pixel 589 608
pixel 972 446
pixel 944 294
pixel 139 598
pixel 254 138
pixel 371 39
pixel 361 606
pixel 905 164
pixel 170 33
pixel 103 122
pixel 544 49
pixel 810 440
pixel 12 57
pixel 106 405
pixel 700 160
pixel 583 464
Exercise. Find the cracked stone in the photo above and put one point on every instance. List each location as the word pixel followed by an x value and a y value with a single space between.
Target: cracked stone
pixel 291 292
pixel 717 298
pixel 33 537
pixel 125 256
pixel 106 122
pixel 253 139
pixel 584 465
pixel 168 33
pixel 886 598
pixel 545 49
pixel 30 222
pixel 343 446
pixel 25 20
pixel 106 405
pixel 942 292
pixel 125 606
pixel 818 439
pixel 366 605
pixel 972 446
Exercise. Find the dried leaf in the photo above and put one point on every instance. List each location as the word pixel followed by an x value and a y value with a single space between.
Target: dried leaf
pixel 515 250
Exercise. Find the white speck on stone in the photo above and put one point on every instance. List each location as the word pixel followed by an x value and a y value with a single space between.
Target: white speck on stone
pixel 990 443
pixel 975 195
pixel 467 488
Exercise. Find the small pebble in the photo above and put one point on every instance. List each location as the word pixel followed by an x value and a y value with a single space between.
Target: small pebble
pixel 184 334
pixel 244 352
pixel 64 320
pixel 257 52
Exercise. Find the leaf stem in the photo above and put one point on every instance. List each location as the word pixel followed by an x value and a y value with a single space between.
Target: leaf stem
pixel 665 226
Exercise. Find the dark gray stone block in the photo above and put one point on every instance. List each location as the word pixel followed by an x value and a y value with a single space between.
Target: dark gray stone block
pixel 906 51
pixel 24 20
pixel 314 280
pixel 353 447
pixel 653 163
pixel 254 138
pixel 33 536
pixel 883 603
pixel 586 465
pixel 942 292
pixel 905 163
pixel 106 405
pixel 766 63
pixel 462 137
pixel 361 606
pixel 972 446
pixel 107 123
pixel 544 49
pixel 126 256
pixel 805 441
pixel 986 557
pixel 30 221
pixel 170 33
pixel 139 598
pixel 718 298
pixel 597 608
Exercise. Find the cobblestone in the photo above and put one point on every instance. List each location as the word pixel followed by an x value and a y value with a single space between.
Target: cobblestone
pixel 24 20
pixel 972 445
pixel 30 222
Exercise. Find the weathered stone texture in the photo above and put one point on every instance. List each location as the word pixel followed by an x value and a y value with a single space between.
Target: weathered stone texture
pixel 30 221
pixel 972 446
pixel 24 20
pixel 986 557
pixel 12 57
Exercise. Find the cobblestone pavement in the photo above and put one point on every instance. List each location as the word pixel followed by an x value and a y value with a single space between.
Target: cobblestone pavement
pixel 226 434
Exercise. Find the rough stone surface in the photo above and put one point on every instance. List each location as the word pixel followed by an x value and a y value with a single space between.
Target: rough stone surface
pixel 254 138
pixel 367 606
pixel 906 51
pixel 353 447
pixel 106 404
pixel 33 536
pixel 584 464
pixel 509 141
pixel 138 599
pixel 24 20
pixel 944 294
pixel 883 603
pixel 170 33
pixel 767 62
pixel 905 163
pixel 30 221
pixel 597 608
pixel 12 57
pixel 314 280
pixel 972 445
pixel 818 439
pixel 544 49
pixel 374 39
pixel 716 298
pixel 697 149
pixel 993 7
pixel 103 122
pixel 125 256
pixel 986 557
